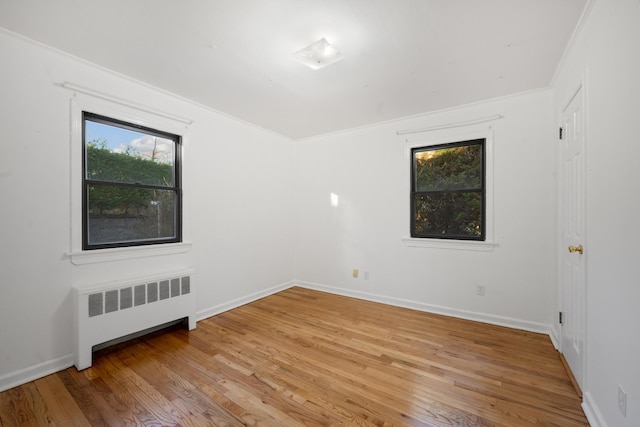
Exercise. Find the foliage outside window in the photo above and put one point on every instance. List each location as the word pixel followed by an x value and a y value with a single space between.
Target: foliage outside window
pixel 131 184
pixel 448 191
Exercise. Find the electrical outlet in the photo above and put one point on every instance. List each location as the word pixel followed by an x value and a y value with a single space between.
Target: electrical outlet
pixel 480 289
pixel 622 401
pixel 366 275
pixel 355 273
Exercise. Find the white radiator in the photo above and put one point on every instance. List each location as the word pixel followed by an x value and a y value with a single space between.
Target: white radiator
pixel 114 310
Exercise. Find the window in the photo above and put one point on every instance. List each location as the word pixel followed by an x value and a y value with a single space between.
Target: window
pixel 131 184
pixel 448 191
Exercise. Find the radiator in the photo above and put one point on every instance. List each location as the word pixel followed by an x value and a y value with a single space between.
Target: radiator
pixel 114 310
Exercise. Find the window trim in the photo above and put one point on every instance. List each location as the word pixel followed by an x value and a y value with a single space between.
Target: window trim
pixel 128 112
pixel 441 138
pixel 176 188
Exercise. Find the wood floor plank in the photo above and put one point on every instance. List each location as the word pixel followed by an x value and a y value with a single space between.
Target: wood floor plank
pixel 198 368
pixel 171 380
pixel 8 413
pixel 63 408
pixel 88 400
pixel 307 358
pixel 259 385
pixel 148 396
pixel 106 400
pixel 125 393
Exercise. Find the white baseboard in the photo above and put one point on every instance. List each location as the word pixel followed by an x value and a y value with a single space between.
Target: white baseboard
pixel 221 308
pixel 555 338
pixel 34 372
pixel 594 416
pixel 436 309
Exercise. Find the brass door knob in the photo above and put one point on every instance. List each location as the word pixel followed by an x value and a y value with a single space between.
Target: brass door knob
pixel 578 249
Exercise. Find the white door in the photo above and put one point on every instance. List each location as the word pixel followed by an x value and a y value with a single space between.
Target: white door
pixel 572 226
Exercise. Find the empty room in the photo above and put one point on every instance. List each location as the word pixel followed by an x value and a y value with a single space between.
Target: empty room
pixel 336 212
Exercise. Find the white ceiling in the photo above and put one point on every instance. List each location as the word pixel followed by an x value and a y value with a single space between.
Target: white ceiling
pixel 403 57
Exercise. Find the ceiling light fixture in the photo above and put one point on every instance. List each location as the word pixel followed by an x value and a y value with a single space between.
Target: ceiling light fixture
pixel 318 55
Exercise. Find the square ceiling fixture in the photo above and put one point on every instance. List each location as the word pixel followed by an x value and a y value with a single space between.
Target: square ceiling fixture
pixel 318 55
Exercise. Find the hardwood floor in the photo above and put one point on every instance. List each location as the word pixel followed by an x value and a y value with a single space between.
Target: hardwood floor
pixel 302 357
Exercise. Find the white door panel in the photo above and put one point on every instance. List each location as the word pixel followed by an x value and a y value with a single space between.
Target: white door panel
pixel 572 250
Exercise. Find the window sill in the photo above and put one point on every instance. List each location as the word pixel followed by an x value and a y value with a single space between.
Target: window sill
pixel 462 245
pixel 117 254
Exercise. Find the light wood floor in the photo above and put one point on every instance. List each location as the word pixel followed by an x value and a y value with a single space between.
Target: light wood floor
pixel 303 357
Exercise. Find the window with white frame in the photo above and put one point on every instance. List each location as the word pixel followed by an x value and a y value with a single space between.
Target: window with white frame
pixel 160 230
pixel 450 195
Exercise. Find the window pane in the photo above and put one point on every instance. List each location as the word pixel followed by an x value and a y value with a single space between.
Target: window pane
pixel 448 215
pixel 123 214
pixel 116 154
pixel 458 168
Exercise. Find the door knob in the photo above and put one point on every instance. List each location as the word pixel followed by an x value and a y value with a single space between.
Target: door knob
pixel 578 249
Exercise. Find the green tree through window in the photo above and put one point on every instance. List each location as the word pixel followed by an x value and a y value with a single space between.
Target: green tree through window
pixel 131 185
pixel 448 191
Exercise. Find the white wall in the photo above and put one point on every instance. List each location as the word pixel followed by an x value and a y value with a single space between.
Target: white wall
pixel 607 53
pixel 368 169
pixel 238 206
